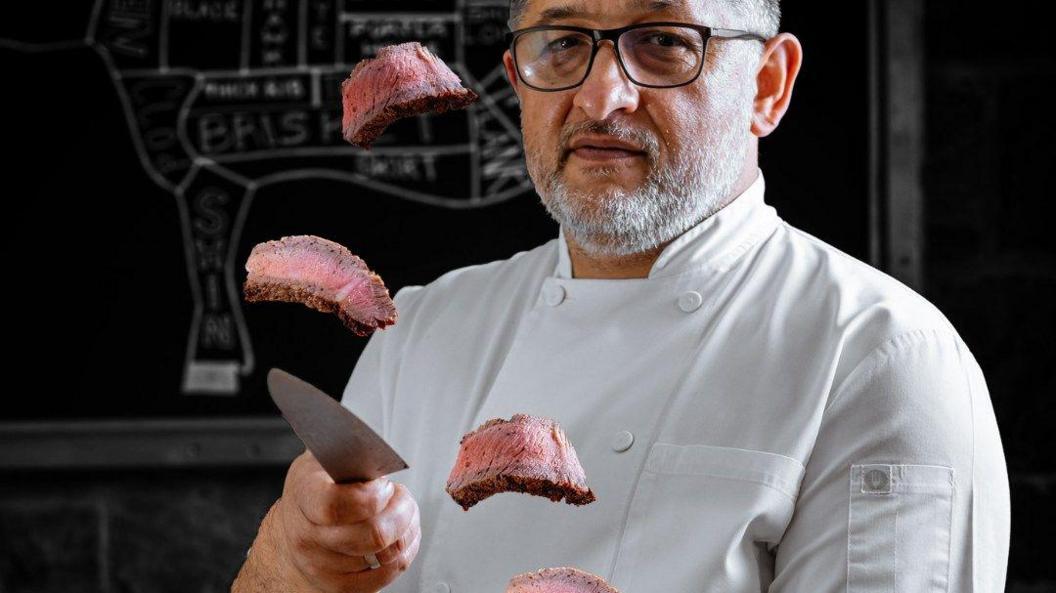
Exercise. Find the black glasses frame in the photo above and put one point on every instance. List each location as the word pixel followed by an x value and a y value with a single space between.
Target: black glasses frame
pixel 613 35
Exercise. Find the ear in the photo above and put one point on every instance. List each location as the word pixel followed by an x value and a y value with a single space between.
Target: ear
pixel 511 72
pixel 778 68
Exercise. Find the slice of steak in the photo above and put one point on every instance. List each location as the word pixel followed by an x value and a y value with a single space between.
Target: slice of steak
pixel 559 580
pixel 523 454
pixel 323 275
pixel 401 81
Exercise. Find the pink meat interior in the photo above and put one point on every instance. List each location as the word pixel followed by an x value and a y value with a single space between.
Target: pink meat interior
pixel 323 267
pixel 525 446
pixel 398 73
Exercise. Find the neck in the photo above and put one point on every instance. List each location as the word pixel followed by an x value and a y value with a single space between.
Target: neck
pixel 635 265
pixel 638 265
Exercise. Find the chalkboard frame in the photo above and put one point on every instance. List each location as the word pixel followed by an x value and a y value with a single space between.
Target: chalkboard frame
pixel 152 443
pixel 895 220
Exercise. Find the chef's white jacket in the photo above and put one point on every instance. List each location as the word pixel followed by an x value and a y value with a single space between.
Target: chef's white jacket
pixel 762 413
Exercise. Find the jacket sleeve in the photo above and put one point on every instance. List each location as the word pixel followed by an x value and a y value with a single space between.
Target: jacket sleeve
pixel 906 488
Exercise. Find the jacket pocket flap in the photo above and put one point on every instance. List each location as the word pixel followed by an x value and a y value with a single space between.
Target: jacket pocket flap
pixel 770 469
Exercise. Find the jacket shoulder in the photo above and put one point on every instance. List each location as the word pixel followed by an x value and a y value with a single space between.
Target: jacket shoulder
pixel 864 306
pixel 471 292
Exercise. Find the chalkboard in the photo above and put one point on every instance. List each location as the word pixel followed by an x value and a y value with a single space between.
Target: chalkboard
pixel 152 143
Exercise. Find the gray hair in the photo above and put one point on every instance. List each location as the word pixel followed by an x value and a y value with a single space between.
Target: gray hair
pixel 761 16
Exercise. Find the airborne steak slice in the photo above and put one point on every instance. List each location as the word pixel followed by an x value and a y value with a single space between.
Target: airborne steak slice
pixel 559 580
pixel 323 275
pixel 524 454
pixel 403 80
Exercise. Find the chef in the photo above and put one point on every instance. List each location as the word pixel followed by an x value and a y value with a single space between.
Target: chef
pixel 754 409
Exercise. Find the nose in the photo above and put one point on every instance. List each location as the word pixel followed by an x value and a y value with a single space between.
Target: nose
pixel 606 88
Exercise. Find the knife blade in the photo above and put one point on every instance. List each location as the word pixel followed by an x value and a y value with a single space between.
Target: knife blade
pixel 347 448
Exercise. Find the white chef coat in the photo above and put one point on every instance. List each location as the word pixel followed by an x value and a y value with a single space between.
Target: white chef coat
pixel 762 413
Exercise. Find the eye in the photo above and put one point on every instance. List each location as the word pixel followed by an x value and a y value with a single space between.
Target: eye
pixel 665 39
pixel 564 43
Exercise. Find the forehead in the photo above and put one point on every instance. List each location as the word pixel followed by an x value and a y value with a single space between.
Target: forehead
pixel 711 12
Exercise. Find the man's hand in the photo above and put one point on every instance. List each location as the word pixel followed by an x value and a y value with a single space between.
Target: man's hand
pixel 315 537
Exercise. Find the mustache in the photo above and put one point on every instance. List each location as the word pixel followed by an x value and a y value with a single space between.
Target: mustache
pixel 614 128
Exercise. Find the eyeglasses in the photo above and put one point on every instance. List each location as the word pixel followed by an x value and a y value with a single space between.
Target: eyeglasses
pixel 655 55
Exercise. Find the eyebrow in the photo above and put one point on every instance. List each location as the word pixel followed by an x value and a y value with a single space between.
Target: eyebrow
pixel 573 11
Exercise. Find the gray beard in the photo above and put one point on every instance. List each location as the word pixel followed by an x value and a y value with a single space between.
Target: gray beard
pixel 671 200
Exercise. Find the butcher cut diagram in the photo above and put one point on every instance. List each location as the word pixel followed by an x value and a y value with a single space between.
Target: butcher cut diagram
pixel 224 97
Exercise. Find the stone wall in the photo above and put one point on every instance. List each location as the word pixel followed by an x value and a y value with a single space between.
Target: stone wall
pixel 173 531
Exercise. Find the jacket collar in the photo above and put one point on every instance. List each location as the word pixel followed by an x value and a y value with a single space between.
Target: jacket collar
pixel 713 244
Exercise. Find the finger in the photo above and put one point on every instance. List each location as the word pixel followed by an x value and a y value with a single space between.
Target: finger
pixel 320 562
pixel 393 552
pixel 378 578
pixel 376 533
pixel 325 503
pixel 408 555
pixel 297 467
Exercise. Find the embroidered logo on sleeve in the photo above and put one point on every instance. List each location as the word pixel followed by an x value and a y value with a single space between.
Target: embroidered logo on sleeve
pixel 876 479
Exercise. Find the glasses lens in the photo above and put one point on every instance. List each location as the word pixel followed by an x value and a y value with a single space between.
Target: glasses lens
pixel 552 58
pixel 662 55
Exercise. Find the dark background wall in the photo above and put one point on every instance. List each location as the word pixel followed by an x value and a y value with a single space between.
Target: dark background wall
pixel 989 264
pixel 989 252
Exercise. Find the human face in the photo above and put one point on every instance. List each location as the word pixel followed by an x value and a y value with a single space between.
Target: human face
pixel 690 142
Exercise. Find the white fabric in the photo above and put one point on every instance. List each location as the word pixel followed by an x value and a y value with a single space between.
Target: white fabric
pixel 803 422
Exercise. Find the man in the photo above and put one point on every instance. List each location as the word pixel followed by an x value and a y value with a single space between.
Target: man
pixel 755 410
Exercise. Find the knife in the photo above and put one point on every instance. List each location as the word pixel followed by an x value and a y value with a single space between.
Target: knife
pixel 348 449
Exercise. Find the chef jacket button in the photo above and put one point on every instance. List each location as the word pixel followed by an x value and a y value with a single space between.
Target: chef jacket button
pixel 554 294
pixel 622 441
pixel 690 301
pixel 440 588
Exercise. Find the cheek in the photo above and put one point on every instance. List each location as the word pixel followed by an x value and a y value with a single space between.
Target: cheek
pixel 710 111
pixel 681 124
pixel 544 118
pixel 541 129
